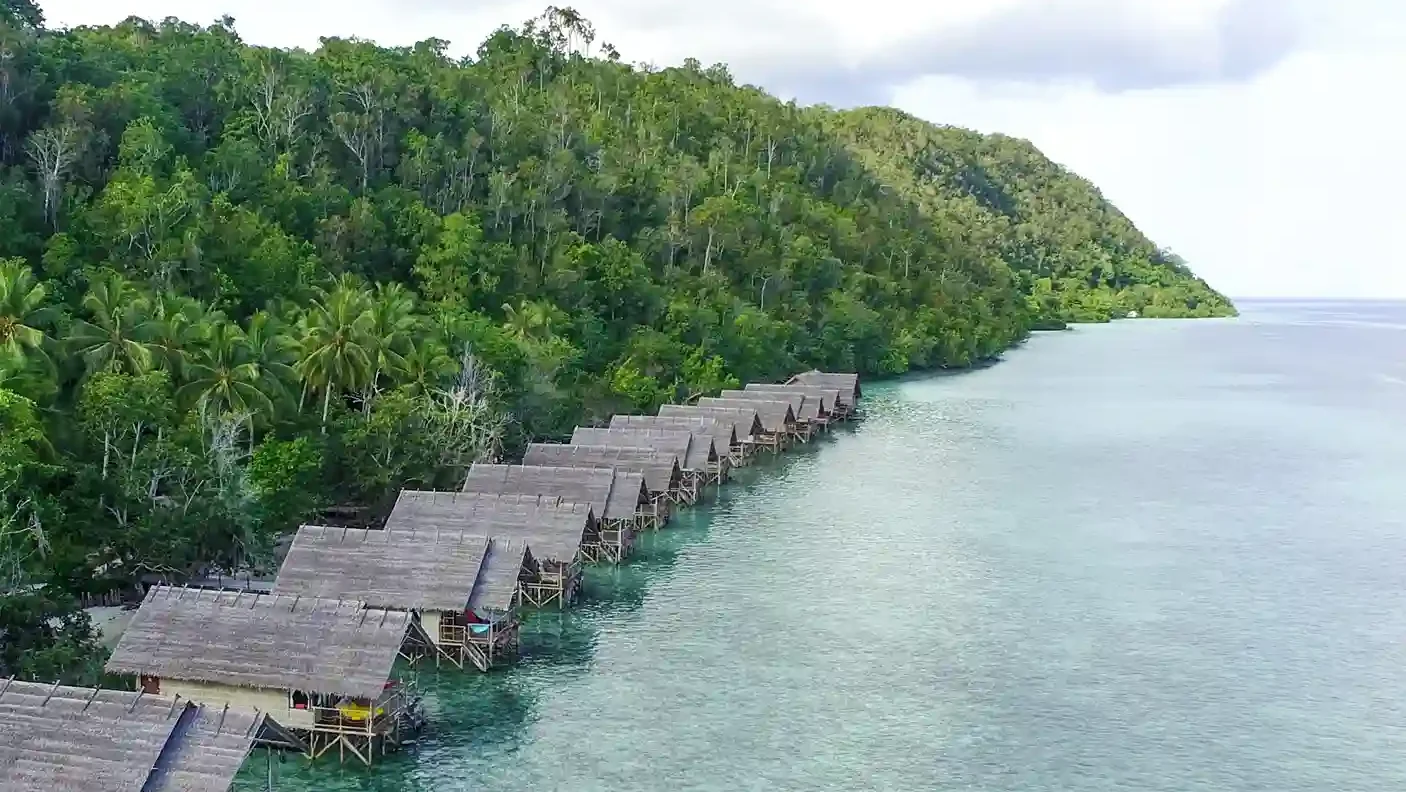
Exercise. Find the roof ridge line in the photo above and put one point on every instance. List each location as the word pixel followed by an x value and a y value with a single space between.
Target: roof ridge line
pixel 52 691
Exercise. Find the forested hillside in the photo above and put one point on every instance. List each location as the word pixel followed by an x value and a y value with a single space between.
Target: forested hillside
pixel 1075 256
pixel 238 285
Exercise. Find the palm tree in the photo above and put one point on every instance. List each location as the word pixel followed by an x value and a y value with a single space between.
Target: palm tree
pixel 226 377
pixel 120 331
pixel 26 376
pixel 182 325
pixel 532 320
pixel 22 311
pixel 390 326
pixel 426 365
pixel 273 353
pixel 334 353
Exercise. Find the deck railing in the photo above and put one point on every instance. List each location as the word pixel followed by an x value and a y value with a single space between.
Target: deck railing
pixel 360 716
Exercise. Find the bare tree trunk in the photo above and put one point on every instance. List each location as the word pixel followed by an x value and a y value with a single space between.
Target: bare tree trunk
pixel 53 151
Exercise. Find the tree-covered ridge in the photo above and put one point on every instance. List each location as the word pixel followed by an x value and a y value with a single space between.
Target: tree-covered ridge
pixel 1075 256
pixel 241 284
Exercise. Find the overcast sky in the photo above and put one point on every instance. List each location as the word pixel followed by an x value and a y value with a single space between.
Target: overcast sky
pixel 1260 139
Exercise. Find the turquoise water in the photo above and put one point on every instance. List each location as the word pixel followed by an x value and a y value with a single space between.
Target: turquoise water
pixel 1147 556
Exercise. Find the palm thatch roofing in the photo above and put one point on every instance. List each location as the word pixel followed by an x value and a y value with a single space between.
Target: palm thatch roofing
pixel 406 570
pixel 267 641
pixel 776 415
pixel 745 421
pixel 613 494
pixel 679 442
pixel 661 471
pixel 628 496
pixel 553 529
pixel 708 431
pixel 846 384
pixel 56 738
pixel 804 409
pixel 507 563
pixel 209 752
pixel 827 398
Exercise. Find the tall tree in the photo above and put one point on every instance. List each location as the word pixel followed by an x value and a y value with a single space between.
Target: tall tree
pixel 118 333
pixel 336 353
pixel 22 13
pixel 390 324
pixel 225 377
pixel 24 310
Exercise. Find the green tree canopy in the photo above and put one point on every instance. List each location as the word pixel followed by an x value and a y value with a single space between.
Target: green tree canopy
pixel 240 284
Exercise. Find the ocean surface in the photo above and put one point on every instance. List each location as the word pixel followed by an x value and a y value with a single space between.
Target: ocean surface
pixel 1155 555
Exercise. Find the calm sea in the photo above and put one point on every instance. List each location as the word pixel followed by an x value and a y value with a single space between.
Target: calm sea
pixel 1156 555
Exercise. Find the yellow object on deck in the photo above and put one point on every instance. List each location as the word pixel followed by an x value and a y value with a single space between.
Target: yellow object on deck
pixel 358 712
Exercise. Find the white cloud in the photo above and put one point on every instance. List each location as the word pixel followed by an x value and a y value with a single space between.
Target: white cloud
pixel 1259 141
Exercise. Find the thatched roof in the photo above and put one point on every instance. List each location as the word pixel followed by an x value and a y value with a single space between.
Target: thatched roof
pixel 745 421
pixel 508 562
pixel 776 415
pixel 628 496
pixel 583 485
pixel 268 641
pixel 209 751
pixel 708 432
pixel 846 384
pixel 65 739
pixel 613 494
pixel 430 570
pixel 425 570
pixel 679 442
pixel 827 399
pixel 553 529
pixel 804 409
pixel 661 471
pixel 240 582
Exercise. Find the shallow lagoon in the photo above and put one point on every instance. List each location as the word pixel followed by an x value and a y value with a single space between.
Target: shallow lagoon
pixel 1152 556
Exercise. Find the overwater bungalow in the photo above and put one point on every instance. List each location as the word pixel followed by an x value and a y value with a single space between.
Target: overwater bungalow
pixel 462 587
pixel 554 530
pixel 694 462
pixel 662 474
pixel 320 670
pixel 807 412
pixel 746 426
pixel 778 420
pixel 618 497
pixel 55 738
pixel 821 402
pixel 712 436
pixel 846 384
